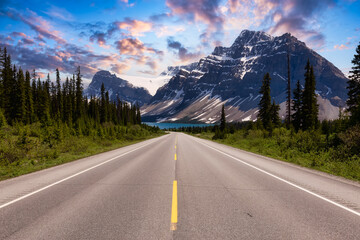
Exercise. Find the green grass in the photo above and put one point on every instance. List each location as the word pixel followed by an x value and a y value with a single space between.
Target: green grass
pixel 22 153
pixel 302 149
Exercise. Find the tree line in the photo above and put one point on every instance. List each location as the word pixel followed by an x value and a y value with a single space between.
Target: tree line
pixel 304 114
pixel 25 99
pixel 304 107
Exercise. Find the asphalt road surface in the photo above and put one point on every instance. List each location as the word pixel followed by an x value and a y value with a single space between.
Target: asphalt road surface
pixel 179 187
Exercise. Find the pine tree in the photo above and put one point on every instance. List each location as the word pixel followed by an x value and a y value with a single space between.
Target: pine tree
pixel 43 102
pixel 265 102
pixel 222 119
pixel 2 62
pixel 13 109
pixel 310 108
pixel 20 97
pixel 274 112
pixel 59 98
pixel 138 115
pixel 78 95
pixel 296 107
pixel 35 96
pixel 107 107
pixel 29 104
pixel 119 111
pixel 103 112
pixel 353 87
pixel 8 86
pixel 72 96
pixel 288 102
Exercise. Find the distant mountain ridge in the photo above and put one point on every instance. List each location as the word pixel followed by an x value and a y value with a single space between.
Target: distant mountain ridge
pixel 233 75
pixel 117 87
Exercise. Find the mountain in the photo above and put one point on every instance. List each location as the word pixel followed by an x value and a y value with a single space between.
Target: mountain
pixel 233 76
pixel 173 70
pixel 117 87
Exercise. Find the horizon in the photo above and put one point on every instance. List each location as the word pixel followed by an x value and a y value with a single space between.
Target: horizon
pixel 137 40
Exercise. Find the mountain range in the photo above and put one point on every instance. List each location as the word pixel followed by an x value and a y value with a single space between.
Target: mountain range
pixel 232 76
pixel 117 87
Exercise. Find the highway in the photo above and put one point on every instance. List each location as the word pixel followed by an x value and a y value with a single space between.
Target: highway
pixel 179 187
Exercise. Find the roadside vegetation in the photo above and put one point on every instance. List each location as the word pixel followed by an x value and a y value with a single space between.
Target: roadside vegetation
pixel 328 146
pixel 45 123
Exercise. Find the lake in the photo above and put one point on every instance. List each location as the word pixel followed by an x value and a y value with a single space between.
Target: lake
pixel 176 125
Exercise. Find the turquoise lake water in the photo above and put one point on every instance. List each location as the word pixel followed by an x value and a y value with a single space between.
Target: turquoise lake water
pixel 176 125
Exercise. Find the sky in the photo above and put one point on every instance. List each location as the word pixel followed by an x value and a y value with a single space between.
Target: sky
pixel 140 38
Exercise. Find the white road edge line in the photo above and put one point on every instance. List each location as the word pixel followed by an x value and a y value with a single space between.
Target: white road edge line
pixel 72 176
pixel 285 181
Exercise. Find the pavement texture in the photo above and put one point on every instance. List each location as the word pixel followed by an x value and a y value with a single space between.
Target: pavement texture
pixel 179 187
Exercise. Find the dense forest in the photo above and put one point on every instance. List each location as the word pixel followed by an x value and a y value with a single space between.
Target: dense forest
pixel 26 99
pixel 43 120
pixel 330 146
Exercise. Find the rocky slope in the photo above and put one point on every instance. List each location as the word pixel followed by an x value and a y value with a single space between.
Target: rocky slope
pixel 233 75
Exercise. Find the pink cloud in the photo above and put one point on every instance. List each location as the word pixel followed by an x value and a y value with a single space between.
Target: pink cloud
pixel 119 68
pixel 134 47
pixel 38 24
pixel 204 11
pixel 135 27
pixel 341 47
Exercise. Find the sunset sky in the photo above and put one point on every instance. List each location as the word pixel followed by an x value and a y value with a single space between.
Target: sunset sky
pixel 143 37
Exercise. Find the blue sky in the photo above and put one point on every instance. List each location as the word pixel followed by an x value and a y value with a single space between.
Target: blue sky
pixel 143 37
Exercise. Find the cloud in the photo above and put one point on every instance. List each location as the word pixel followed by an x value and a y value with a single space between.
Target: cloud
pixel 129 28
pixel 160 17
pixel 127 3
pixel 66 58
pixel 60 13
pixel 148 72
pixel 35 22
pixel 99 37
pixel 182 52
pixel 24 39
pixel 298 17
pixel 234 5
pixel 18 34
pixel 207 12
pixel 119 68
pixel 134 47
pixel 134 27
pixel 164 31
pixel 341 47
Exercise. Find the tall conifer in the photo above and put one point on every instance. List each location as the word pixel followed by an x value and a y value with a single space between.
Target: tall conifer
pixel 296 107
pixel 353 87
pixel 29 104
pixel 310 108
pixel 265 102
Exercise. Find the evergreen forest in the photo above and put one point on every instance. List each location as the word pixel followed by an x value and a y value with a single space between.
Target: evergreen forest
pixel 45 123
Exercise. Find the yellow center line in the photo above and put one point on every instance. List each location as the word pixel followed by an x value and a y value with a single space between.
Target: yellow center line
pixel 175 157
pixel 174 210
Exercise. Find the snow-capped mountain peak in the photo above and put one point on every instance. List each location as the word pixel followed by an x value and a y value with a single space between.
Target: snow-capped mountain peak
pixel 232 76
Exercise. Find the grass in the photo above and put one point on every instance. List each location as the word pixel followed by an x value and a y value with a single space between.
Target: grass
pixel 300 149
pixel 25 153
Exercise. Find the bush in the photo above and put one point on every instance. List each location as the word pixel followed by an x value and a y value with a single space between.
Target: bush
pixel 349 144
pixel 2 119
pixel 219 134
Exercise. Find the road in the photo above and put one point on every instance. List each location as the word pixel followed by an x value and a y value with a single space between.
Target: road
pixel 179 187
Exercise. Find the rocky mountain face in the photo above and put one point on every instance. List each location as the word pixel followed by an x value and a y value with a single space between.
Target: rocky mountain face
pixel 117 87
pixel 233 76
pixel 173 70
